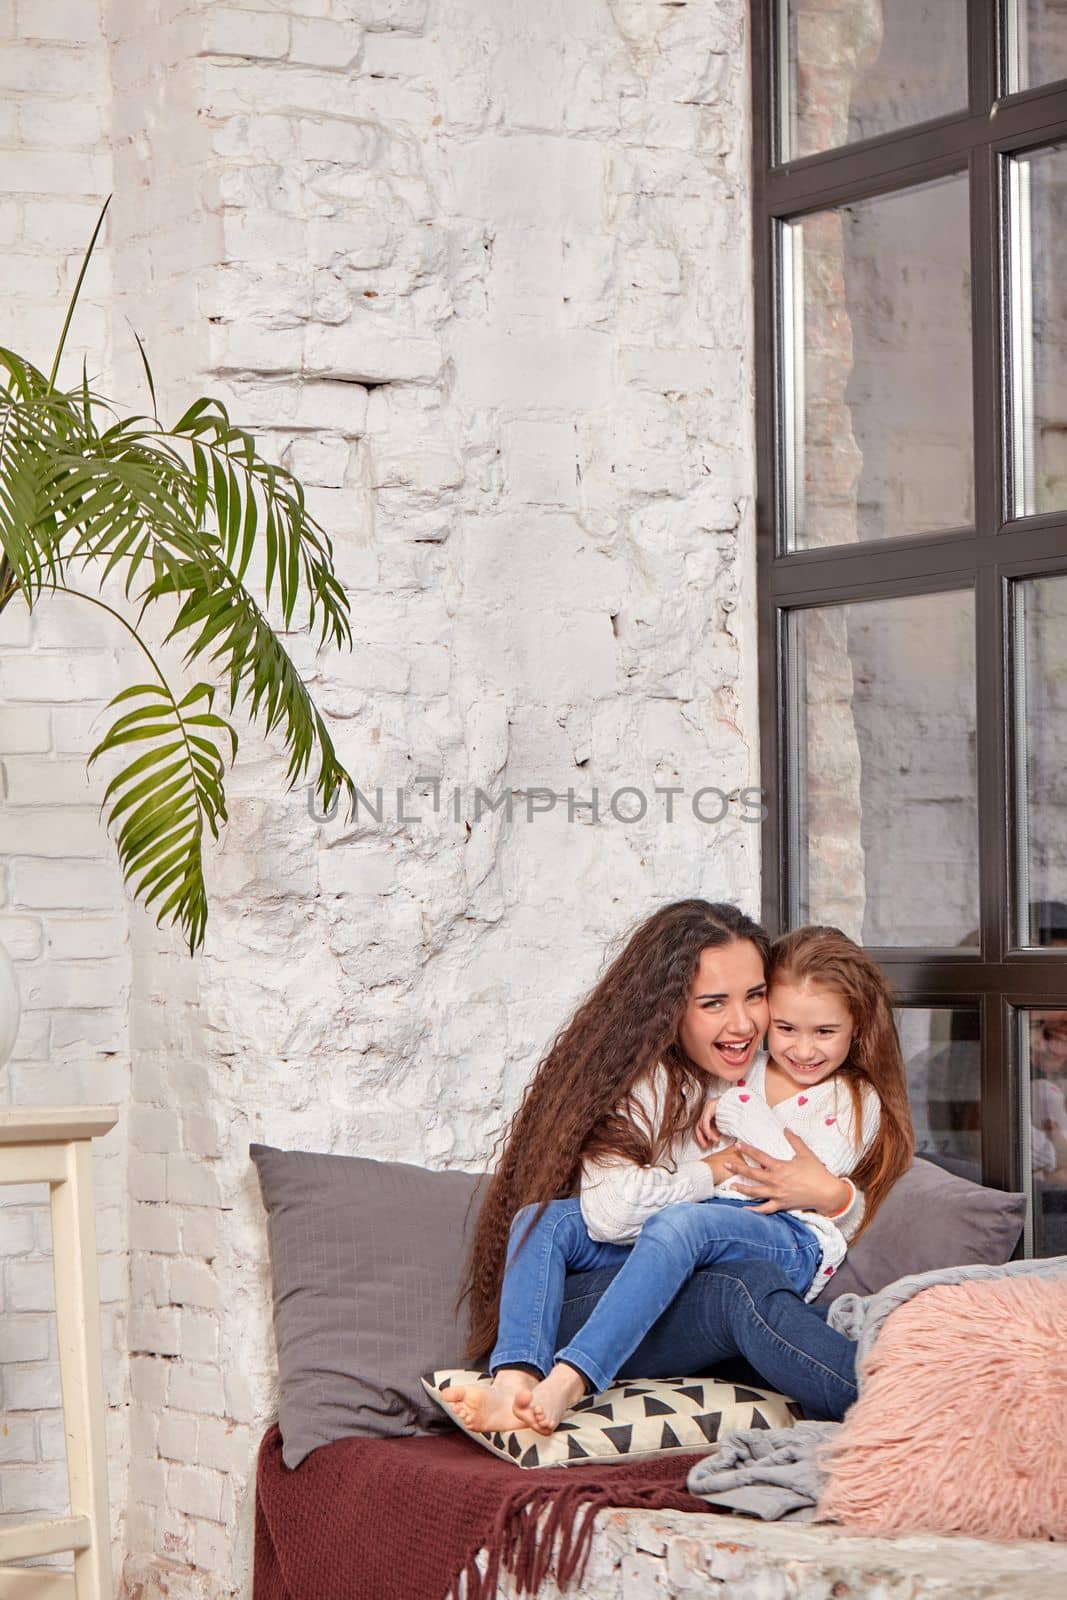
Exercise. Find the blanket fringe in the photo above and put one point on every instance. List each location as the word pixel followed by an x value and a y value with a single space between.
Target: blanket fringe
pixel 548 1529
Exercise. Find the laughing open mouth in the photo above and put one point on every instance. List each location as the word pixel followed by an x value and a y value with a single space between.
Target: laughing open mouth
pixel 734 1051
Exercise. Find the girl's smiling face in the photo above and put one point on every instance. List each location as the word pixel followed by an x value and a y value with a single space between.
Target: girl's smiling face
pixel 726 1017
pixel 810 1032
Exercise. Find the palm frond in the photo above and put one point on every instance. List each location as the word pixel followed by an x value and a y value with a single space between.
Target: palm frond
pixel 75 292
pixel 223 621
pixel 247 496
pixel 166 800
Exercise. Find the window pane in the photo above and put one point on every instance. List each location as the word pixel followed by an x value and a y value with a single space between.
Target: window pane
pixel 853 70
pixel 876 358
pixel 883 801
pixel 1043 1051
pixel 1041 759
pixel 1037 42
pixel 1037 189
pixel 942 1053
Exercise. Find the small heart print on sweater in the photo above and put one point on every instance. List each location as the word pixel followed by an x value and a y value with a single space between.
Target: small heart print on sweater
pixel 827 1272
pixel 802 1099
pixel 744 1097
pixel 830 1121
pixel 740 1083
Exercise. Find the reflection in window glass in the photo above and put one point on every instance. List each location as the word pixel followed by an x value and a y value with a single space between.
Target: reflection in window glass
pixel 854 70
pixel 1041 758
pixel 876 367
pixel 883 805
pixel 942 1053
pixel 1044 1056
pixel 1038 358
pixel 1036 42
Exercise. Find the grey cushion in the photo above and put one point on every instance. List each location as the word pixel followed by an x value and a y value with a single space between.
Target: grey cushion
pixel 930 1218
pixel 366 1259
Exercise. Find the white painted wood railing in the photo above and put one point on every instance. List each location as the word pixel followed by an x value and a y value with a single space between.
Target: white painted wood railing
pixel 53 1145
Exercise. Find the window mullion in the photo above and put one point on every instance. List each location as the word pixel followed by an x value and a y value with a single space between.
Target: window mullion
pixel 983 51
pixel 991 638
pixel 991 753
pixel 1001 1146
pixel 986 359
pixel 858 171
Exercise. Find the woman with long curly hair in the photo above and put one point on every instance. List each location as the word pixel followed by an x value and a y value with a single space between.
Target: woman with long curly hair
pixel 607 1136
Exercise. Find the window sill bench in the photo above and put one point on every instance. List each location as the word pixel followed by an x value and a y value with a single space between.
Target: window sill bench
pixel 639 1554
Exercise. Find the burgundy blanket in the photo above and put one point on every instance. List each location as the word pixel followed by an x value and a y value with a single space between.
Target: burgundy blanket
pixel 403 1519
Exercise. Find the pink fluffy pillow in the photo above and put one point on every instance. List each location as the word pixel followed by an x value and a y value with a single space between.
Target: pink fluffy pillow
pixel 961 1426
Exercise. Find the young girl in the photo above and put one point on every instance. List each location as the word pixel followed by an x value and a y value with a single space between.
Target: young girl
pixel 615 1107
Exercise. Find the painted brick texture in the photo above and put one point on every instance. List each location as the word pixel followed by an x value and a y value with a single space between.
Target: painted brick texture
pixel 63 918
pixel 479 272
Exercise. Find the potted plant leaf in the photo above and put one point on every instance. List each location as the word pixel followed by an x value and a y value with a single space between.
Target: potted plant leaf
pixel 157 524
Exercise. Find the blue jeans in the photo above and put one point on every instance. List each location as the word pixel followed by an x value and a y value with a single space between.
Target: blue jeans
pixel 748 1309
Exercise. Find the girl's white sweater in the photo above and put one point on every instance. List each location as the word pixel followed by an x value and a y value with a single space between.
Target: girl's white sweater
pixel 618 1196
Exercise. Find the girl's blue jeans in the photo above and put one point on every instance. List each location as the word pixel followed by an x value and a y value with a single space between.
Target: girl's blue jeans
pixel 665 1315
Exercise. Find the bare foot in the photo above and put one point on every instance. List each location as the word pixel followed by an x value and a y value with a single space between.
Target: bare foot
pixel 543 1406
pixel 489 1408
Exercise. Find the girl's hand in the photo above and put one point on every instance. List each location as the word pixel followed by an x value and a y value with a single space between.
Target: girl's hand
pixel 716 1164
pixel 706 1131
pixel 802 1184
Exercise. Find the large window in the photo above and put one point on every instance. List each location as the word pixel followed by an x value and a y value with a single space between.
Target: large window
pixel 910 166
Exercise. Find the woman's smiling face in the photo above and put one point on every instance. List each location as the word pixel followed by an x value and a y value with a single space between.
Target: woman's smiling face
pixel 726 1017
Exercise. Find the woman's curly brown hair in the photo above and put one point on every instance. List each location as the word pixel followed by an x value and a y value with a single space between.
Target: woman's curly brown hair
pixel 576 1103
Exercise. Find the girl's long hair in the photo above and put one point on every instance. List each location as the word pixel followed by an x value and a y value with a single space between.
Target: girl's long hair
pixel 577 1101
pixel 828 957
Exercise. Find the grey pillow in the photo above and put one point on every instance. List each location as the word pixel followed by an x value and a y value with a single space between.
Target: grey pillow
pixel 930 1218
pixel 366 1258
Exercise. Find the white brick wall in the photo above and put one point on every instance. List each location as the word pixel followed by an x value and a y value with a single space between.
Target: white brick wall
pixel 478 270
pixel 62 915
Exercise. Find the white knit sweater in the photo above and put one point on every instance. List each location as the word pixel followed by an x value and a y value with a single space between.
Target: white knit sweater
pixel 618 1196
pixel 824 1117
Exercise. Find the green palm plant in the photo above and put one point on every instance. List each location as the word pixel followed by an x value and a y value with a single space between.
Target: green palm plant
pixel 171 515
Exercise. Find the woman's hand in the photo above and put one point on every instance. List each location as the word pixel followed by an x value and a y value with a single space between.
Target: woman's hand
pixel 802 1184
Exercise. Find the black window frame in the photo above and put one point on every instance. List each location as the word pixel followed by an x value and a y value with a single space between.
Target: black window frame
pixel 1000 976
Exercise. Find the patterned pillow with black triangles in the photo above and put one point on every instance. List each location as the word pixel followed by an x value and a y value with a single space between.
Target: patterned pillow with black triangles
pixel 641 1417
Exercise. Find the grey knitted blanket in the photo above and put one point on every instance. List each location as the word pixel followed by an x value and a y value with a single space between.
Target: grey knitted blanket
pixel 776 1474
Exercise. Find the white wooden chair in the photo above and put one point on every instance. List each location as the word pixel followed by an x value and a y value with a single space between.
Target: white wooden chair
pixel 54 1146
